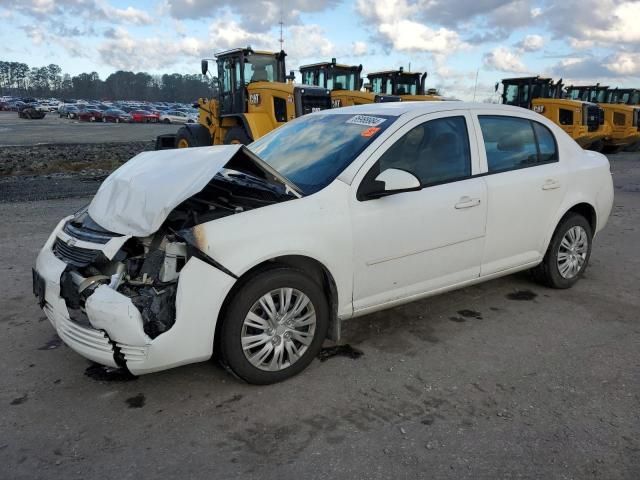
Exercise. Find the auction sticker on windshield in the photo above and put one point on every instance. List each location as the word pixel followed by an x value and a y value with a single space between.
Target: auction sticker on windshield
pixel 366 120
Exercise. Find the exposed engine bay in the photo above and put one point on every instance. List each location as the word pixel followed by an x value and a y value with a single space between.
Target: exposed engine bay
pixel 147 269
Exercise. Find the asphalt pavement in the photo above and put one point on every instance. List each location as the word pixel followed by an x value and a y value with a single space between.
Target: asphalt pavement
pixel 503 380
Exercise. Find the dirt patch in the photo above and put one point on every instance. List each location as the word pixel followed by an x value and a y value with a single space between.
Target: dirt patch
pixel 95 159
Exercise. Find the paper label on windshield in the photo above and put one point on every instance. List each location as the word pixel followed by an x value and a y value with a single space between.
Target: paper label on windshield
pixel 366 120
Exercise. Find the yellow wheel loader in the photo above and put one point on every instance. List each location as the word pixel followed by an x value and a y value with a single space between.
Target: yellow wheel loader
pixel 254 96
pixel 624 119
pixel 583 121
pixel 344 82
pixel 409 86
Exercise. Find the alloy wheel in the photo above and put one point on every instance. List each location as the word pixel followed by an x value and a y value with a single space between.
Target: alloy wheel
pixel 572 253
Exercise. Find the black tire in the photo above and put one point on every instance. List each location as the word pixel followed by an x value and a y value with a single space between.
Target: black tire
pixel 610 149
pixel 193 136
pixel 596 146
pixel 548 273
pixel 237 135
pixel 167 121
pixel 248 293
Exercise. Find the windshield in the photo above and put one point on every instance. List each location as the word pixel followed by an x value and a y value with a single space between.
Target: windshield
pixel 314 150
pixel 260 68
pixel 381 86
pixel 406 86
pixel 342 80
pixel 575 94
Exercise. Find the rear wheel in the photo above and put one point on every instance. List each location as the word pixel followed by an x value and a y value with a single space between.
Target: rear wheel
pixel 194 136
pixel 568 253
pixel 274 326
pixel 167 121
pixel 237 135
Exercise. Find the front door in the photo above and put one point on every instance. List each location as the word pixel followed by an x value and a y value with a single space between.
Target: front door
pixel 415 242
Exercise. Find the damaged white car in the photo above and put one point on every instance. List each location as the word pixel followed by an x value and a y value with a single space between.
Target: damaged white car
pixel 260 252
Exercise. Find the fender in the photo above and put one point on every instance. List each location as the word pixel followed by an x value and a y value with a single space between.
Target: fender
pixel 255 124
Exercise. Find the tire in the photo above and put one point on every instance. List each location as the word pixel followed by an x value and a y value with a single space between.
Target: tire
pixel 610 149
pixel 549 272
pixel 167 121
pixel 237 135
pixel 193 136
pixel 247 299
pixel 596 146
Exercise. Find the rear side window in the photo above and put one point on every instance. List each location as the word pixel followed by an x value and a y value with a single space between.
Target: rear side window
pixel 511 143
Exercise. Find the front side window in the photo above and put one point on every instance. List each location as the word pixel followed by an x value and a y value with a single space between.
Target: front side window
pixel 382 86
pixel 342 81
pixel 511 143
pixel 436 151
pixel 406 87
pixel 511 94
pixel 307 77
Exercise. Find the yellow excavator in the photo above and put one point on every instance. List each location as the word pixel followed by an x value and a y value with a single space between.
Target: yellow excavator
pixel 409 86
pixel 344 81
pixel 583 121
pixel 254 96
pixel 624 119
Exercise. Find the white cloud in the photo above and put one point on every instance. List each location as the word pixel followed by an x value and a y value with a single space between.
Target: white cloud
pixel 624 64
pixel 126 15
pixel 531 43
pixel 504 60
pixel 393 28
pixel 359 48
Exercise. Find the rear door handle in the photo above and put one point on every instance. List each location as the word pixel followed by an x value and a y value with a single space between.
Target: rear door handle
pixel 550 184
pixel 467 202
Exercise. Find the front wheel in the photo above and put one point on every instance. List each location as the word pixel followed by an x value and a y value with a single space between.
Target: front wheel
pixel 274 326
pixel 167 121
pixel 568 253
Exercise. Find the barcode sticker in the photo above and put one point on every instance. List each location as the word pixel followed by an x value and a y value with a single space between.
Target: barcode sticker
pixel 366 120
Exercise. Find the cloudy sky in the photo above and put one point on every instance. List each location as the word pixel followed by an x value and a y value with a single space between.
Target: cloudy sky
pixel 579 40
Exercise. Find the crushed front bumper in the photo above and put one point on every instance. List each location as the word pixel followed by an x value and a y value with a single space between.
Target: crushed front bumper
pixel 114 333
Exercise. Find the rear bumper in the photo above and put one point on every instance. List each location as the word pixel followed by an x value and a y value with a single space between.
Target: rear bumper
pixel 114 332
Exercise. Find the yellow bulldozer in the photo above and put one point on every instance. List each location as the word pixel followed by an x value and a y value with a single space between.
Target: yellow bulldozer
pixel 624 119
pixel 583 121
pixel 254 96
pixel 344 81
pixel 409 86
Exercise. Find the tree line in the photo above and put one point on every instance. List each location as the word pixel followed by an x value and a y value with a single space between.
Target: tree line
pixel 49 81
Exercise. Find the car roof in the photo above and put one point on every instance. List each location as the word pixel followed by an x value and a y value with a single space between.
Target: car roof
pixel 419 108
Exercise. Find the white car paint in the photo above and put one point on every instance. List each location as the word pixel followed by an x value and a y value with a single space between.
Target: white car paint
pixel 379 253
pixel 174 116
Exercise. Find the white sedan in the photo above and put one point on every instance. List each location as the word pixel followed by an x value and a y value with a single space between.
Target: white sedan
pixel 175 116
pixel 262 251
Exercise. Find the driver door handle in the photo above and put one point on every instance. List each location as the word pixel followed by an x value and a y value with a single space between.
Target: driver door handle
pixel 550 184
pixel 467 202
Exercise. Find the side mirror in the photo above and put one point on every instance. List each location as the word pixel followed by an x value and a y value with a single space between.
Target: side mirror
pixel 389 182
pixel 204 66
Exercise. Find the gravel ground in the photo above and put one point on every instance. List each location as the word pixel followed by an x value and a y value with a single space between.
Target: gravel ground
pixel 504 380
pixel 55 130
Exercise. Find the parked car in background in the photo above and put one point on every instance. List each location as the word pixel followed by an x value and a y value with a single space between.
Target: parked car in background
pixel 381 204
pixel 68 111
pixel 116 116
pixel 16 105
pixel 174 116
pixel 31 112
pixel 89 114
pixel 144 116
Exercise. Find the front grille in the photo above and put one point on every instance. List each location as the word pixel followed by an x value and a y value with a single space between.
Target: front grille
pixel 88 235
pixel 76 256
pixel 309 99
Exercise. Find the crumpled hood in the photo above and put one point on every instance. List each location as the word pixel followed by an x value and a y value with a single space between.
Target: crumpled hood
pixel 137 198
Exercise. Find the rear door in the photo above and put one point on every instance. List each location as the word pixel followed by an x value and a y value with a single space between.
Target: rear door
pixel 526 184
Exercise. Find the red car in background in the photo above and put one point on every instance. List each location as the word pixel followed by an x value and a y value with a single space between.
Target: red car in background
pixel 144 116
pixel 89 115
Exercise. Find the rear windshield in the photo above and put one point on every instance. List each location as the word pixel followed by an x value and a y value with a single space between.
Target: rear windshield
pixel 313 150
